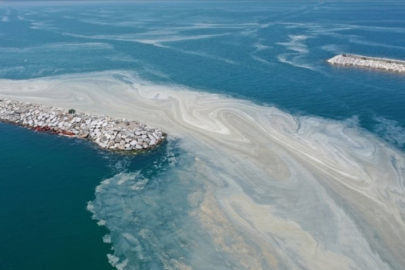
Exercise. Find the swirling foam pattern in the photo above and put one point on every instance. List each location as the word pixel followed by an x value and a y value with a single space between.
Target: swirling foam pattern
pixel 255 187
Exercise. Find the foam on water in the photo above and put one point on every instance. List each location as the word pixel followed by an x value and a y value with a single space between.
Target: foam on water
pixel 157 39
pixel 296 43
pixel 250 187
pixel 332 48
pixel 390 130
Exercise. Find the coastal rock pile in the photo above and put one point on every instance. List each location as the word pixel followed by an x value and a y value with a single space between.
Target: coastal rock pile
pixel 106 132
pixel 368 62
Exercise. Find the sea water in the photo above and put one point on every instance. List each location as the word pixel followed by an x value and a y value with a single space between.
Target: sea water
pixel 67 205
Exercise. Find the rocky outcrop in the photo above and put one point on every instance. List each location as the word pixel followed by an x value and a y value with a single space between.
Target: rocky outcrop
pixel 368 62
pixel 106 132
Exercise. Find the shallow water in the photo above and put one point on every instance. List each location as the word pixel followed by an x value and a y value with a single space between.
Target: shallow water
pixel 262 169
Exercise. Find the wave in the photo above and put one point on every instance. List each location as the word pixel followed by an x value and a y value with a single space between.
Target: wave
pixel 253 187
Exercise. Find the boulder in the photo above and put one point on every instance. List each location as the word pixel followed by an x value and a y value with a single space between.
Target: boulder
pixel 133 143
pixel 104 131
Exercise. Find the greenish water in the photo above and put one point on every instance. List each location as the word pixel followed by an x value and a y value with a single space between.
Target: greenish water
pixel 45 184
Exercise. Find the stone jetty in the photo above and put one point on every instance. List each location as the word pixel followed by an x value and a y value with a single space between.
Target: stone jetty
pixel 368 62
pixel 106 132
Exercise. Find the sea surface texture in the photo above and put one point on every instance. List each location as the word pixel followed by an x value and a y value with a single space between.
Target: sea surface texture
pixel 274 159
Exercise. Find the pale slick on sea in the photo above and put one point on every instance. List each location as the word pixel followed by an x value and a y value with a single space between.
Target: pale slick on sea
pixel 280 191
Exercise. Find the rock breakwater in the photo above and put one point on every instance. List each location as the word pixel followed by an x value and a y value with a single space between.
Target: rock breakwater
pixel 368 62
pixel 106 132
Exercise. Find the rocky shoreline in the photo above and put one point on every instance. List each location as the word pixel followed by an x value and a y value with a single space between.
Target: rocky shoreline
pixel 368 62
pixel 106 132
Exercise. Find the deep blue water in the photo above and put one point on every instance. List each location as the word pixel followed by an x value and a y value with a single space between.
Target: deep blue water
pixel 271 53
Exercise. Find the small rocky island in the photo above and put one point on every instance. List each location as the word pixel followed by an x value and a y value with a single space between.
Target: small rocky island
pixel 106 132
pixel 368 62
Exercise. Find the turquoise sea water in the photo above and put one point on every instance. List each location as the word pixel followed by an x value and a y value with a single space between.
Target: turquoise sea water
pixel 268 53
